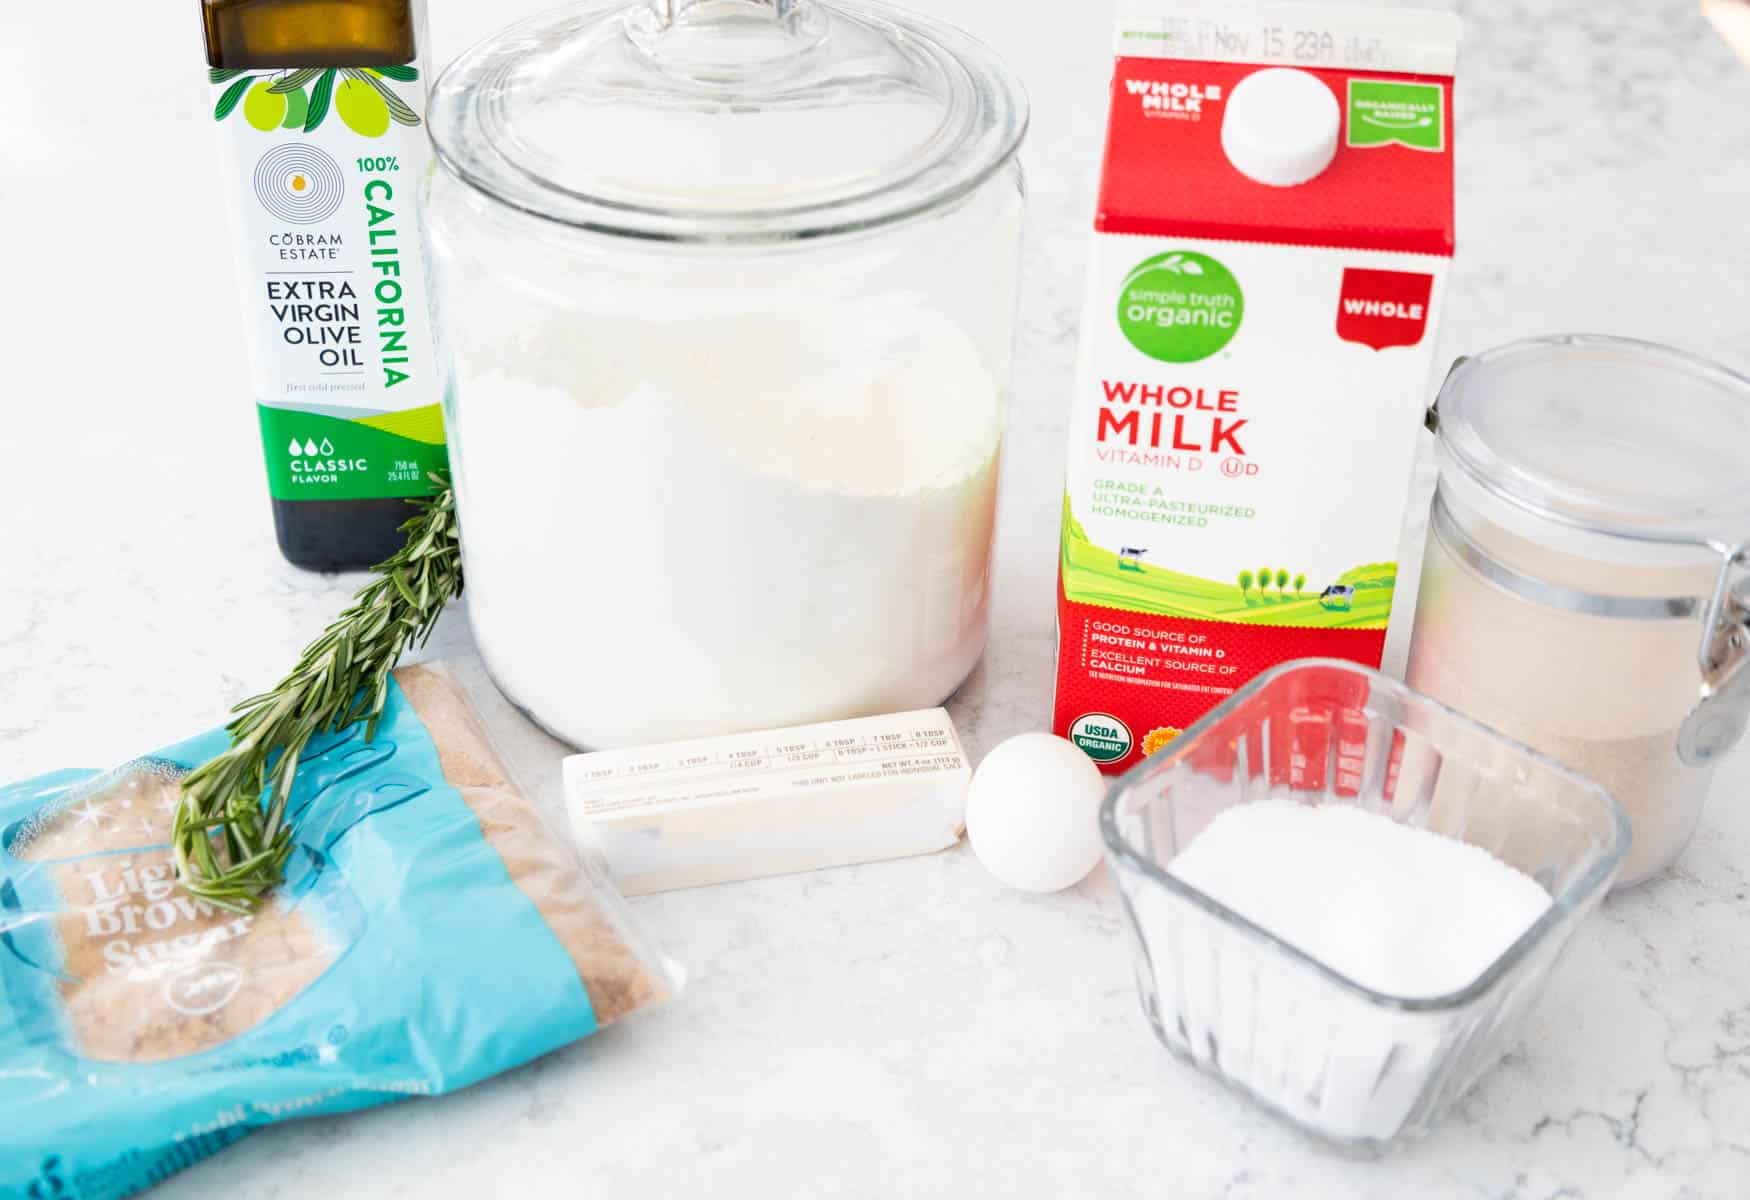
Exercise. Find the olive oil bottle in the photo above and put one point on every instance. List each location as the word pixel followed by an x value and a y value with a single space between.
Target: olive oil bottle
pixel 320 107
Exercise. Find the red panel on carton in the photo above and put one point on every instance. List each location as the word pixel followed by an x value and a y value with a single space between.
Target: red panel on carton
pixel 1166 175
pixel 1170 687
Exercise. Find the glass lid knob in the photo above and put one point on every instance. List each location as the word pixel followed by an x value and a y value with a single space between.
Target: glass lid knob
pixel 670 12
pixel 722 41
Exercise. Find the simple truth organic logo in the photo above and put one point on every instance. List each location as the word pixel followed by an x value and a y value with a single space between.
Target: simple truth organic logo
pixel 1180 307
pixel 360 96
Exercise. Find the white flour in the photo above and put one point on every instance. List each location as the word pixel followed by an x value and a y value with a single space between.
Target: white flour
pixel 680 530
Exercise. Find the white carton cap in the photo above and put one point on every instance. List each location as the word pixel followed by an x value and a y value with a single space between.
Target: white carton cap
pixel 1280 127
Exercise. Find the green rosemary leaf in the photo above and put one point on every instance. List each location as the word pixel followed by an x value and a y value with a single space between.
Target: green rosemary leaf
pixel 231 837
pixel 400 580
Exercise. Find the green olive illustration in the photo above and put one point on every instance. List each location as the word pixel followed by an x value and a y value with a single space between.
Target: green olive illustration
pixel 262 108
pixel 297 108
pixel 361 108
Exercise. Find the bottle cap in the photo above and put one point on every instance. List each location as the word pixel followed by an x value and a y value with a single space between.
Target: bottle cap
pixel 1280 127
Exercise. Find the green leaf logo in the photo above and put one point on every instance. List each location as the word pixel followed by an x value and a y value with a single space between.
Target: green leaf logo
pixel 1384 112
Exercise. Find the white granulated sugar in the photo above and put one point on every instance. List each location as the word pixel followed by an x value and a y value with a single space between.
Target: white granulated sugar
pixel 681 529
pixel 1399 910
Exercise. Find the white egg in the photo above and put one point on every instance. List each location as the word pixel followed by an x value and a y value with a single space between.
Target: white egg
pixel 1033 813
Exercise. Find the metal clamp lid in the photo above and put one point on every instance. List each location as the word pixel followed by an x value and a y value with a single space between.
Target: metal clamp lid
pixel 1722 656
pixel 1717 722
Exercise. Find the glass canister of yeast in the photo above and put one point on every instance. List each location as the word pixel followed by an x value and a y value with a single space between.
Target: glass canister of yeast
pixel 731 292
pixel 1584 588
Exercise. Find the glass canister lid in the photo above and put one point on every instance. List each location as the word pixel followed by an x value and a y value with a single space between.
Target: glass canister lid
pixel 726 120
pixel 1602 435
pixel 1625 454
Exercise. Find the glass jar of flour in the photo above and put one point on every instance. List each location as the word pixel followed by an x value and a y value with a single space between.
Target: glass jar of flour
pixel 729 287
pixel 1583 589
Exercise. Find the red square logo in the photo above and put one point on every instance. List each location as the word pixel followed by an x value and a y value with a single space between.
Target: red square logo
pixel 1383 308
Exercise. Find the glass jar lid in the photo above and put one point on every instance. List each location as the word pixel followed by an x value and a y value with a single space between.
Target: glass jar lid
pixel 1602 436
pixel 727 120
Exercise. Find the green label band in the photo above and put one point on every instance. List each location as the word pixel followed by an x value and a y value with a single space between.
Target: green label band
pixel 1385 112
pixel 315 457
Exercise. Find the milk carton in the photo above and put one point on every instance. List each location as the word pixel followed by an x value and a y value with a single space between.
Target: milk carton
pixel 1273 233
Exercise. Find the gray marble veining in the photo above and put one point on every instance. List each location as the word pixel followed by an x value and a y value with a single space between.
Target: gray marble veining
pixel 904 1029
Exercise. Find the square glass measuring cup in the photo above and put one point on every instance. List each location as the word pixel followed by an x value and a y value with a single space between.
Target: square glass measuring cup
pixel 1356 1067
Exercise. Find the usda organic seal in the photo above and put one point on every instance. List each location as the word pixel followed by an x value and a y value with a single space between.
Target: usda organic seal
pixel 1102 736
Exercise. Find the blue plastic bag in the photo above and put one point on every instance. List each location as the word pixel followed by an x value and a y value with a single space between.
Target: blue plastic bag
pixel 432 932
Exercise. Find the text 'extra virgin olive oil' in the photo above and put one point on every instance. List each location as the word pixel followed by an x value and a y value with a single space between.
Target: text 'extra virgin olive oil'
pixel 320 106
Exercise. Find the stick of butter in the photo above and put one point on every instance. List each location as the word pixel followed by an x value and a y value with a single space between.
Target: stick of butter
pixel 753 804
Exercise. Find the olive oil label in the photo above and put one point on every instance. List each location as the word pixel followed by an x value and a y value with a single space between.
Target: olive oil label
pixel 324 167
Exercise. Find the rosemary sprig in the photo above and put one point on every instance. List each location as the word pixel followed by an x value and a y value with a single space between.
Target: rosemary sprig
pixel 230 835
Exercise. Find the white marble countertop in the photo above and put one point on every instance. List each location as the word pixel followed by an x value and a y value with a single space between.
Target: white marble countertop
pixel 906 1029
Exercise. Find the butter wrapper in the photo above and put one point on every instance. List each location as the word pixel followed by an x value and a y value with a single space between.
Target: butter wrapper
pixel 713 810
